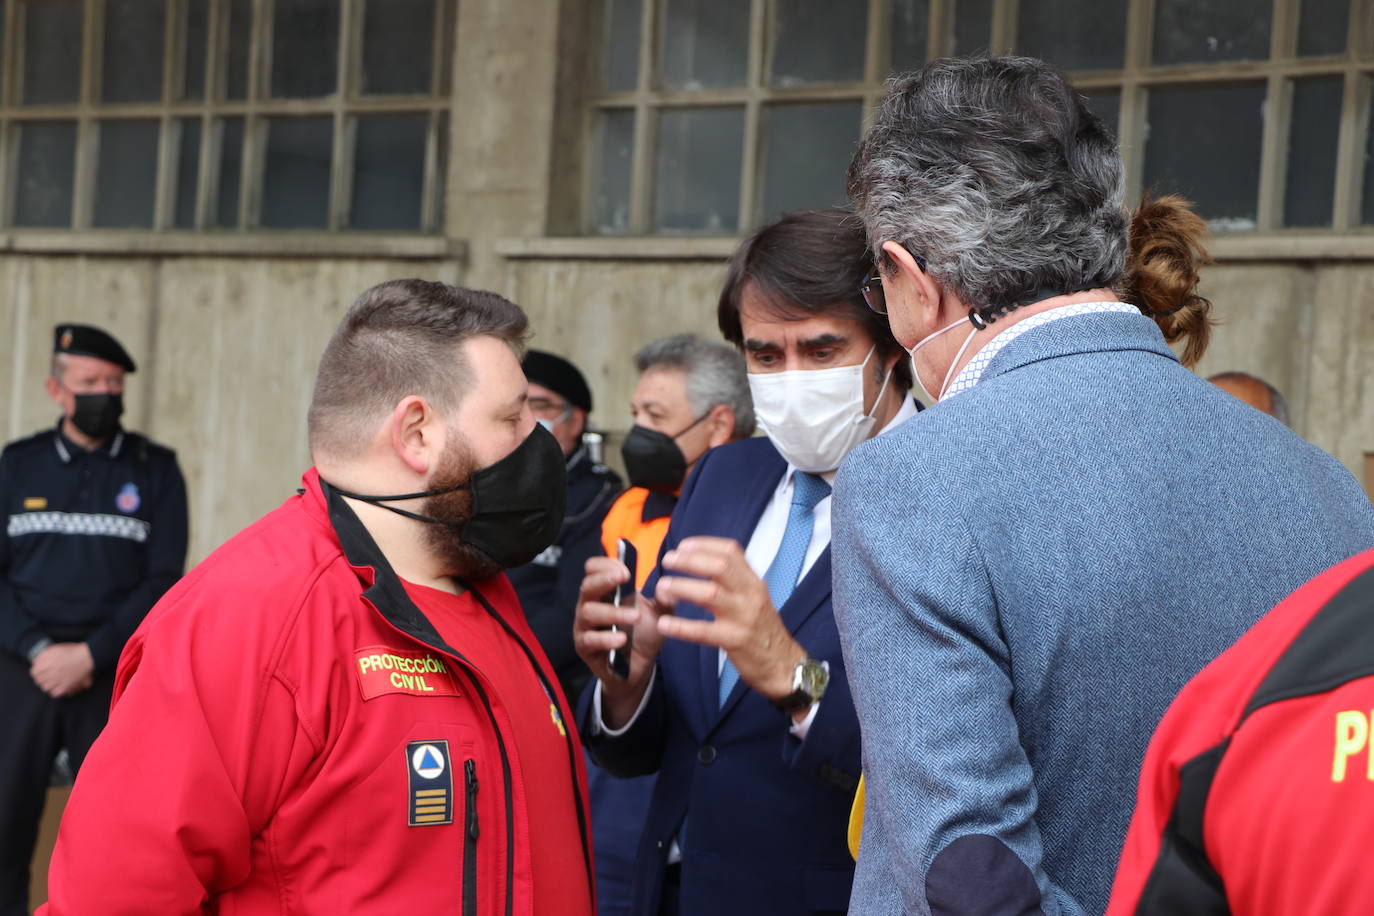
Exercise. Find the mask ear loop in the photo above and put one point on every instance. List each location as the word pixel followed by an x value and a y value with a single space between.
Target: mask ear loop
pixel 978 324
pixel 881 388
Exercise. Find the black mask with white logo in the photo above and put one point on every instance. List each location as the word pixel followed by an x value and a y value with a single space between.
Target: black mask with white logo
pixel 653 460
pixel 97 415
pixel 517 503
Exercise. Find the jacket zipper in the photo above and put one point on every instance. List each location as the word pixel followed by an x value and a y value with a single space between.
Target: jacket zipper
pixel 475 679
pixel 470 835
pixel 573 747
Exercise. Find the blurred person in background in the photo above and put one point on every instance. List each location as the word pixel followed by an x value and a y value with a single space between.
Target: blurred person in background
pixel 1027 572
pixel 547 585
pixel 94 532
pixel 1254 391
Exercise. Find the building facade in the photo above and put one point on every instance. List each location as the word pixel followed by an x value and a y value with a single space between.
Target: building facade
pixel 216 180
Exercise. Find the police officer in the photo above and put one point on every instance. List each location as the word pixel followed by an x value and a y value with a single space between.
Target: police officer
pixel 561 401
pixel 94 531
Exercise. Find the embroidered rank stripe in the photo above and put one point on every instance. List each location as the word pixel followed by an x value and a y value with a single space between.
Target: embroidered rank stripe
pixel 115 526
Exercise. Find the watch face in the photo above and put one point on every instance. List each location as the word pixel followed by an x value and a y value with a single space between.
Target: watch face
pixel 814 677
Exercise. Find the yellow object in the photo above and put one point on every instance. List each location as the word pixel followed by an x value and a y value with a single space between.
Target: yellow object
pixel 856 820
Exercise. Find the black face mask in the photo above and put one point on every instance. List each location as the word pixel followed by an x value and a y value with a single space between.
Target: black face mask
pixel 653 459
pixel 97 415
pixel 517 503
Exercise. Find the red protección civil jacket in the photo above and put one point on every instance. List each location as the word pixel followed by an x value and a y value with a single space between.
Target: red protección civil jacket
pixel 290 735
pixel 1257 791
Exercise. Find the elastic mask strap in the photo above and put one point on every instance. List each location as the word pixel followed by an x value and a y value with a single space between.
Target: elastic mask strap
pixel 689 426
pixel 949 376
pixel 381 501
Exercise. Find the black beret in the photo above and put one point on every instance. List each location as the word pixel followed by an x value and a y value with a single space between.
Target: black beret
pixel 557 374
pixel 85 340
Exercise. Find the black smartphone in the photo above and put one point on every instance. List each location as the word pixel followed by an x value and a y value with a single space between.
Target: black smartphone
pixel 624 596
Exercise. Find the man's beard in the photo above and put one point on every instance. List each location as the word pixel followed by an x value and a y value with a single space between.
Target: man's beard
pixel 456 466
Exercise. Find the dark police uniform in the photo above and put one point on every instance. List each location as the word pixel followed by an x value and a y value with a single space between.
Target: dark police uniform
pixel 549 584
pixel 89 541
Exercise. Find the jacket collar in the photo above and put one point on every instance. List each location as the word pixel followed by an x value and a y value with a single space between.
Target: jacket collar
pixel 1101 333
pixel 383 587
pixel 657 505
pixel 67 449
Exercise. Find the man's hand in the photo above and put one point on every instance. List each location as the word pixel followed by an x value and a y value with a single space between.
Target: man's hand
pixel 746 624
pixel 63 669
pixel 593 641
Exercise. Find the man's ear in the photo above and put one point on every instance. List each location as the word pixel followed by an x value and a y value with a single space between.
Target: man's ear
pixel 412 431
pixel 908 283
pixel 53 389
pixel 720 425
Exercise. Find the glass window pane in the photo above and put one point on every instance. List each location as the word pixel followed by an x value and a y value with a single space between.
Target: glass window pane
pixel 240 33
pixel 829 134
pixel 126 175
pixel 818 42
pixel 52 50
pixel 1073 34
pixel 910 29
pixel 230 173
pixel 706 44
pixel 698 174
pixel 1322 27
pixel 389 172
pixel 1106 104
pixel 132 61
pixel 295 192
pixel 1188 31
pixel 1367 211
pixel 47 168
pixel 972 26
pixel 1204 142
pixel 440 188
pixel 1315 123
pixel 305 48
pixel 611 179
pixel 193 54
pixel 398 47
pixel 623 21
pixel 188 172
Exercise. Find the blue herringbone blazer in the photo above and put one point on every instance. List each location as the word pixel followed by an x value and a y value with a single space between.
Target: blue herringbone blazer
pixel 1025 575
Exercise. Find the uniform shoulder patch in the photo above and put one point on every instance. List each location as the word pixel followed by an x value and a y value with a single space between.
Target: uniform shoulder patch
pixel 382 670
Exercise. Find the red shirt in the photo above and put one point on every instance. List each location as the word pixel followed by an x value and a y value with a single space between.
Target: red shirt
pixel 540 740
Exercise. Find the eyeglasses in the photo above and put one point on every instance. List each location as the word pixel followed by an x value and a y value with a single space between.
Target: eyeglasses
pixel 550 409
pixel 872 290
pixel 872 285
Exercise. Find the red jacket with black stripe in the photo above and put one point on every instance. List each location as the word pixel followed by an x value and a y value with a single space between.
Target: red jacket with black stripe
pixel 290 735
pixel 1257 792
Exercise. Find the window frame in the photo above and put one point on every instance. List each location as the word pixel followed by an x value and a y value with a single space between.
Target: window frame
pixel 343 106
pixel 1136 77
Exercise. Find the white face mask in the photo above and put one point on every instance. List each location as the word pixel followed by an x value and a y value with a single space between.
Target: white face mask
pixel 949 376
pixel 815 416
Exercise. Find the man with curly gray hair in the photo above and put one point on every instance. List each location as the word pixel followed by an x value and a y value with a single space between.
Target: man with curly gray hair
pixel 1028 571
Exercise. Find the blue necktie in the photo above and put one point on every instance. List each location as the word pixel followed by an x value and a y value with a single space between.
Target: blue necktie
pixel 783 572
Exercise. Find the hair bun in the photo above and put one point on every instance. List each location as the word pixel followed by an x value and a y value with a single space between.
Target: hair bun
pixel 1166 254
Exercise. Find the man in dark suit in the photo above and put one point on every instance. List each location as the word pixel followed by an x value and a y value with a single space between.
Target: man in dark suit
pixel 737 695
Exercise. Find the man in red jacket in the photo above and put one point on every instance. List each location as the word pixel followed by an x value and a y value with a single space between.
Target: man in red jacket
pixel 1257 789
pixel 342 709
